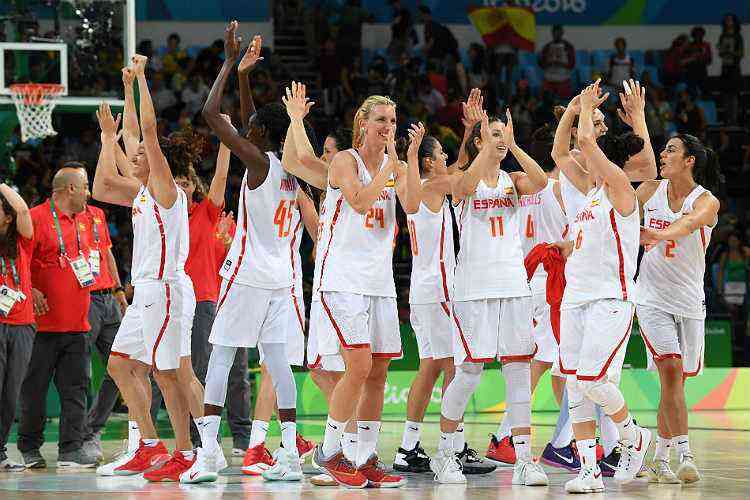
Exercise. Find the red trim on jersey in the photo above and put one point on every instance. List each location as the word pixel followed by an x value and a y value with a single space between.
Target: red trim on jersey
pixel 168 292
pixel 565 231
pixel 299 313
pixel 703 238
pixel 620 258
pixel 291 257
pixel 469 357
pixel 654 354
pixel 447 311
pixel 239 258
pixel 315 364
pixel 442 259
pixel 387 354
pixel 461 216
pixel 334 219
pixel 119 354
pixel 520 357
pixel 604 369
pixel 338 330
pixel 163 256
pixel 564 370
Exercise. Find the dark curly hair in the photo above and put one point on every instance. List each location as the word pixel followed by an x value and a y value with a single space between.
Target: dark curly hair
pixel 274 120
pixel 343 138
pixel 706 169
pixel 8 242
pixel 619 148
pixel 542 141
pixel 182 149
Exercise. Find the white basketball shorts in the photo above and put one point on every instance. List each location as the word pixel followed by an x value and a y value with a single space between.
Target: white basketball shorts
pixel 670 336
pixel 594 337
pixel 157 326
pixel 543 336
pixel 295 339
pixel 246 315
pixel 361 321
pixel 320 325
pixel 490 329
pixel 434 329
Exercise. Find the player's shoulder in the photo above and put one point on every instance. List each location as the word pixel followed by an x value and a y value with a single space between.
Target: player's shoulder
pixel 647 189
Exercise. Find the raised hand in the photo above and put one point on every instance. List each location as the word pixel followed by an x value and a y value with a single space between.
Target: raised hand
pixel 590 96
pixel 296 102
pixel 416 134
pixel 507 130
pixel 472 109
pixel 224 227
pixel 128 77
pixel 390 148
pixel 108 124
pixel 139 64
pixel 485 131
pixel 252 55
pixel 633 101
pixel 232 43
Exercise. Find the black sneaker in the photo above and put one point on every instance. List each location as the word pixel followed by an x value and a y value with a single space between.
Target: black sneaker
pixel 415 460
pixel 34 460
pixel 609 464
pixel 472 463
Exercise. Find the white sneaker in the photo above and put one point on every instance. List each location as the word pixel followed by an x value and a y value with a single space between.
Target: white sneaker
pixel 9 465
pixel 286 467
pixel 121 459
pixel 221 460
pixel 687 472
pixel 588 480
pixel 659 472
pixel 447 468
pixel 203 470
pixel 632 456
pixel 529 474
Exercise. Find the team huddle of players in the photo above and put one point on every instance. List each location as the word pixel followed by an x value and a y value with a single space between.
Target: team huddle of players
pixel 544 278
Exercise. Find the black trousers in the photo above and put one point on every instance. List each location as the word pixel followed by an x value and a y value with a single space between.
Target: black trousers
pixel 16 344
pixel 62 358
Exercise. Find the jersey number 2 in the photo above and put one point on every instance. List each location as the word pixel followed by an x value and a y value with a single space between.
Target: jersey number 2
pixel 283 217
pixel 669 249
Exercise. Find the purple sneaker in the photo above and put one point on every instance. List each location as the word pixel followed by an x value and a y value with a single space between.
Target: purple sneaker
pixel 564 457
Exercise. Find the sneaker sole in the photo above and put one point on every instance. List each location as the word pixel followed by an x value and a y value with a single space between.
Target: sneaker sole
pixel 285 477
pixel 558 465
pixel 588 490
pixel 471 470
pixel 202 479
pixel 74 465
pixel 323 480
pixel 155 464
pixel 252 472
pixel 372 484
pixel 408 468
pixel 499 463
pixel 688 477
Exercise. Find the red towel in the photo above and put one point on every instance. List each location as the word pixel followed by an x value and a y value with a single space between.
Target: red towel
pixel 554 263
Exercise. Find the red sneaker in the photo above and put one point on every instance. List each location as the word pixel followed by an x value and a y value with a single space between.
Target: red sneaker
pixel 146 458
pixel 377 477
pixel 340 469
pixel 501 451
pixel 257 459
pixel 304 447
pixel 599 452
pixel 170 471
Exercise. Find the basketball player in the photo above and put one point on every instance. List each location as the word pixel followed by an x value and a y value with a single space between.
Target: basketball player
pixel 492 302
pixel 679 215
pixel 543 221
pixel 597 308
pixel 358 288
pixel 255 300
pixel 155 332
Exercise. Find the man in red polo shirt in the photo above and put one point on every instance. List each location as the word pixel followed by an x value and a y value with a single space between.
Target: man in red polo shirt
pixel 62 279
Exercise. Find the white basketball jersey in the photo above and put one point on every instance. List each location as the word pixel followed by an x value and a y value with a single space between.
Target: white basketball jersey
pixel 324 229
pixel 161 238
pixel 490 257
pixel 542 221
pixel 358 252
pixel 433 258
pixel 573 200
pixel 671 274
pixel 260 254
pixel 294 245
pixel 605 252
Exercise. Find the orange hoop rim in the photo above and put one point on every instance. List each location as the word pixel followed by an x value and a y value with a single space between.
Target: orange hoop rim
pixel 33 93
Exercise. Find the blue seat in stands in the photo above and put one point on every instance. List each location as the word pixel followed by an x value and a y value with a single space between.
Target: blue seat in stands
pixel 709 111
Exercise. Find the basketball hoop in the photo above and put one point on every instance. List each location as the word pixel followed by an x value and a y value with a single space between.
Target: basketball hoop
pixel 34 104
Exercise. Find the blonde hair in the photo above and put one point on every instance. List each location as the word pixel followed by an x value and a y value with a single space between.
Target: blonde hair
pixel 363 113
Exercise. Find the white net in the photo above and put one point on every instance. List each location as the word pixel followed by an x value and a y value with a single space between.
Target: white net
pixel 34 104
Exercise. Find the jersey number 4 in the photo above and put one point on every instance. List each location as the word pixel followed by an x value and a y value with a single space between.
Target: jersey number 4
pixel 529 227
pixel 283 217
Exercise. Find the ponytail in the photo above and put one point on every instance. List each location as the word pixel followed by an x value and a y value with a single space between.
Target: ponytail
pixel 706 169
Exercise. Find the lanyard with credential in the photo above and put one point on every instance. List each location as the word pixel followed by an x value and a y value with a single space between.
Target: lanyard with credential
pixel 13 269
pixel 60 242
pixel 93 227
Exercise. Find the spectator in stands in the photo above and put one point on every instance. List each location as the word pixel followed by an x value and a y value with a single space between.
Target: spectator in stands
pixel 194 95
pixel 557 59
pixel 477 72
pixel 353 80
pixel 696 58
pixel 163 96
pixel 351 18
pixel 621 65
pixel 731 51
pixel 658 117
pixel 439 42
pixel 403 35
pixel 376 75
pixel 174 57
pixel 329 77
pixel 689 117
pixel 429 96
pixel 673 70
pixel 86 149
pixel 732 281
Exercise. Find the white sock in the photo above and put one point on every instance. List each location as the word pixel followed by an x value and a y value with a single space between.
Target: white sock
pixel 411 435
pixel 503 430
pixel 682 444
pixel 367 440
pixel 332 437
pixel 446 441
pixel 210 432
pixel 522 444
pixel 188 454
pixel 134 435
pixel 610 434
pixel 627 429
pixel 150 442
pixel 289 437
pixel 349 446
pixel 565 436
pixel 258 433
pixel 587 452
pixel 199 425
pixel 459 439
pixel 663 449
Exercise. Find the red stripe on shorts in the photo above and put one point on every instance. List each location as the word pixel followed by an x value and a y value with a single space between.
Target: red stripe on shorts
pixel 168 292
pixel 620 258
pixel 654 354
pixel 337 329
pixel 611 356
pixel 466 345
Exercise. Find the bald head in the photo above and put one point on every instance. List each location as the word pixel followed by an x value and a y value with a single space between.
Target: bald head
pixel 70 189
pixel 67 176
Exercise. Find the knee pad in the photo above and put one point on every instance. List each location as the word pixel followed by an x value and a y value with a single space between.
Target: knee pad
pixel 463 385
pixel 604 393
pixel 277 364
pixel 518 394
pixel 581 408
pixel 217 375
